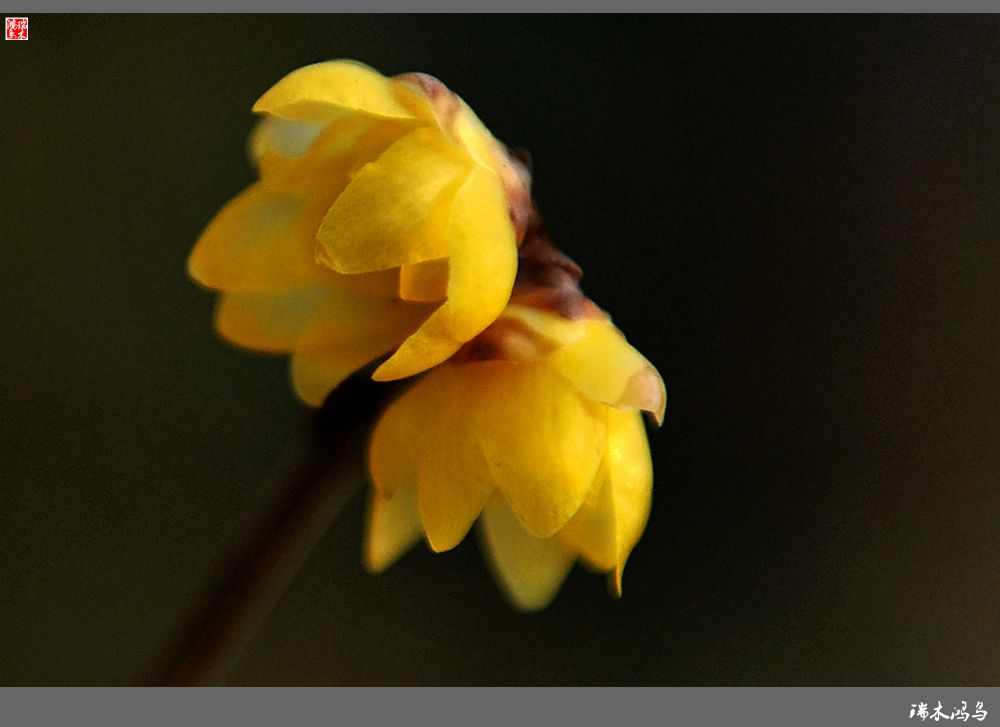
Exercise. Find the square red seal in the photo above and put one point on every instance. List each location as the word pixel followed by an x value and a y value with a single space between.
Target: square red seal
pixel 17 28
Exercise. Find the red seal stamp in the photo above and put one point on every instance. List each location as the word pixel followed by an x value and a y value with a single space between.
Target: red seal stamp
pixel 16 28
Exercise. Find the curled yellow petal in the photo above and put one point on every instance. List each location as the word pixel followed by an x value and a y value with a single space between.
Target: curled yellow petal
pixel 396 209
pixel 325 91
pixel 482 259
pixel 603 366
pixel 322 172
pixel 392 527
pixel 529 569
pixel 482 253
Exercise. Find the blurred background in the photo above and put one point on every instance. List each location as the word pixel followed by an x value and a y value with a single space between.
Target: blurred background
pixel 795 218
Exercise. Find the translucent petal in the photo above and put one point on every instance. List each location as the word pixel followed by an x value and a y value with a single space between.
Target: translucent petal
pixel 529 570
pixel 324 91
pixel 397 208
pixel 482 259
pixel 606 368
pixel 273 135
pixel 608 526
pixel 267 321
pixel 591 532
pixel 544 442
pixel 392 528
pixel 330 163
pixel 259 241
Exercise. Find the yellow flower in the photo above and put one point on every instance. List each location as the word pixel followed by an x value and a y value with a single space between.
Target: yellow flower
pixel 535 428
pixel 385 220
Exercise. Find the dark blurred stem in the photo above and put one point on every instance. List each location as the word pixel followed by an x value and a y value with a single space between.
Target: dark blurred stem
pixel 248 590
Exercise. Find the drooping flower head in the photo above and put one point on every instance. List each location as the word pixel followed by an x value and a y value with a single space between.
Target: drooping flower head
pixel 535 429
pixel 385 221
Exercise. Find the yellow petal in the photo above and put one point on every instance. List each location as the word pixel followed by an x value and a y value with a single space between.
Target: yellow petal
pixel 317 372
pixel 348 330
pixel 529 570
pixel 474 136
pixel 482 254
pixel 397 208
pixel 429 346
pixel 455 478
pixel 543 440
pixel 331 161
pixel 632 480
pixel 399 438
pixel 259 241
pixel 482 259
pixel 607 527
pixel 392 528
pixel 267 321
pixel 424 282
pixel 591 532
pixel 556 329
pixel 602 365
pixel 325 91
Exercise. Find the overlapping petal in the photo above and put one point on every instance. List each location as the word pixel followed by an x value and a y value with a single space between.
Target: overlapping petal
pixel 346 332
pixel 529 569
pixel 609 524
pixel 482 264
pixel 397 209
pixel 261 240
pixel 555 465
pixel 268 320
pixel 605 368
pixel 368 192
pixel 325 91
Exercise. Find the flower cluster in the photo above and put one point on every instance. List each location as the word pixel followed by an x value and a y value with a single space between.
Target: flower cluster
pixel 389 226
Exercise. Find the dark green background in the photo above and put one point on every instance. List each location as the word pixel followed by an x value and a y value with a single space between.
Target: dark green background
pixel 797 219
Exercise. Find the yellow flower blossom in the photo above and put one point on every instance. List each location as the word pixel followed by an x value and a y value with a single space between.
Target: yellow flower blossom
pixel 385 221
pixel 534 428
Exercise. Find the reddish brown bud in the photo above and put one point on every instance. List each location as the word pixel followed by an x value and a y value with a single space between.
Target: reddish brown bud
pixel 547 278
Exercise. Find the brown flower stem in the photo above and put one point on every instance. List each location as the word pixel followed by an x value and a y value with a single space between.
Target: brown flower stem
pixel 248 590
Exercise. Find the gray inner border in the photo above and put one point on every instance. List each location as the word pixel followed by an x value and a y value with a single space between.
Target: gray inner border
pixel 813 706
